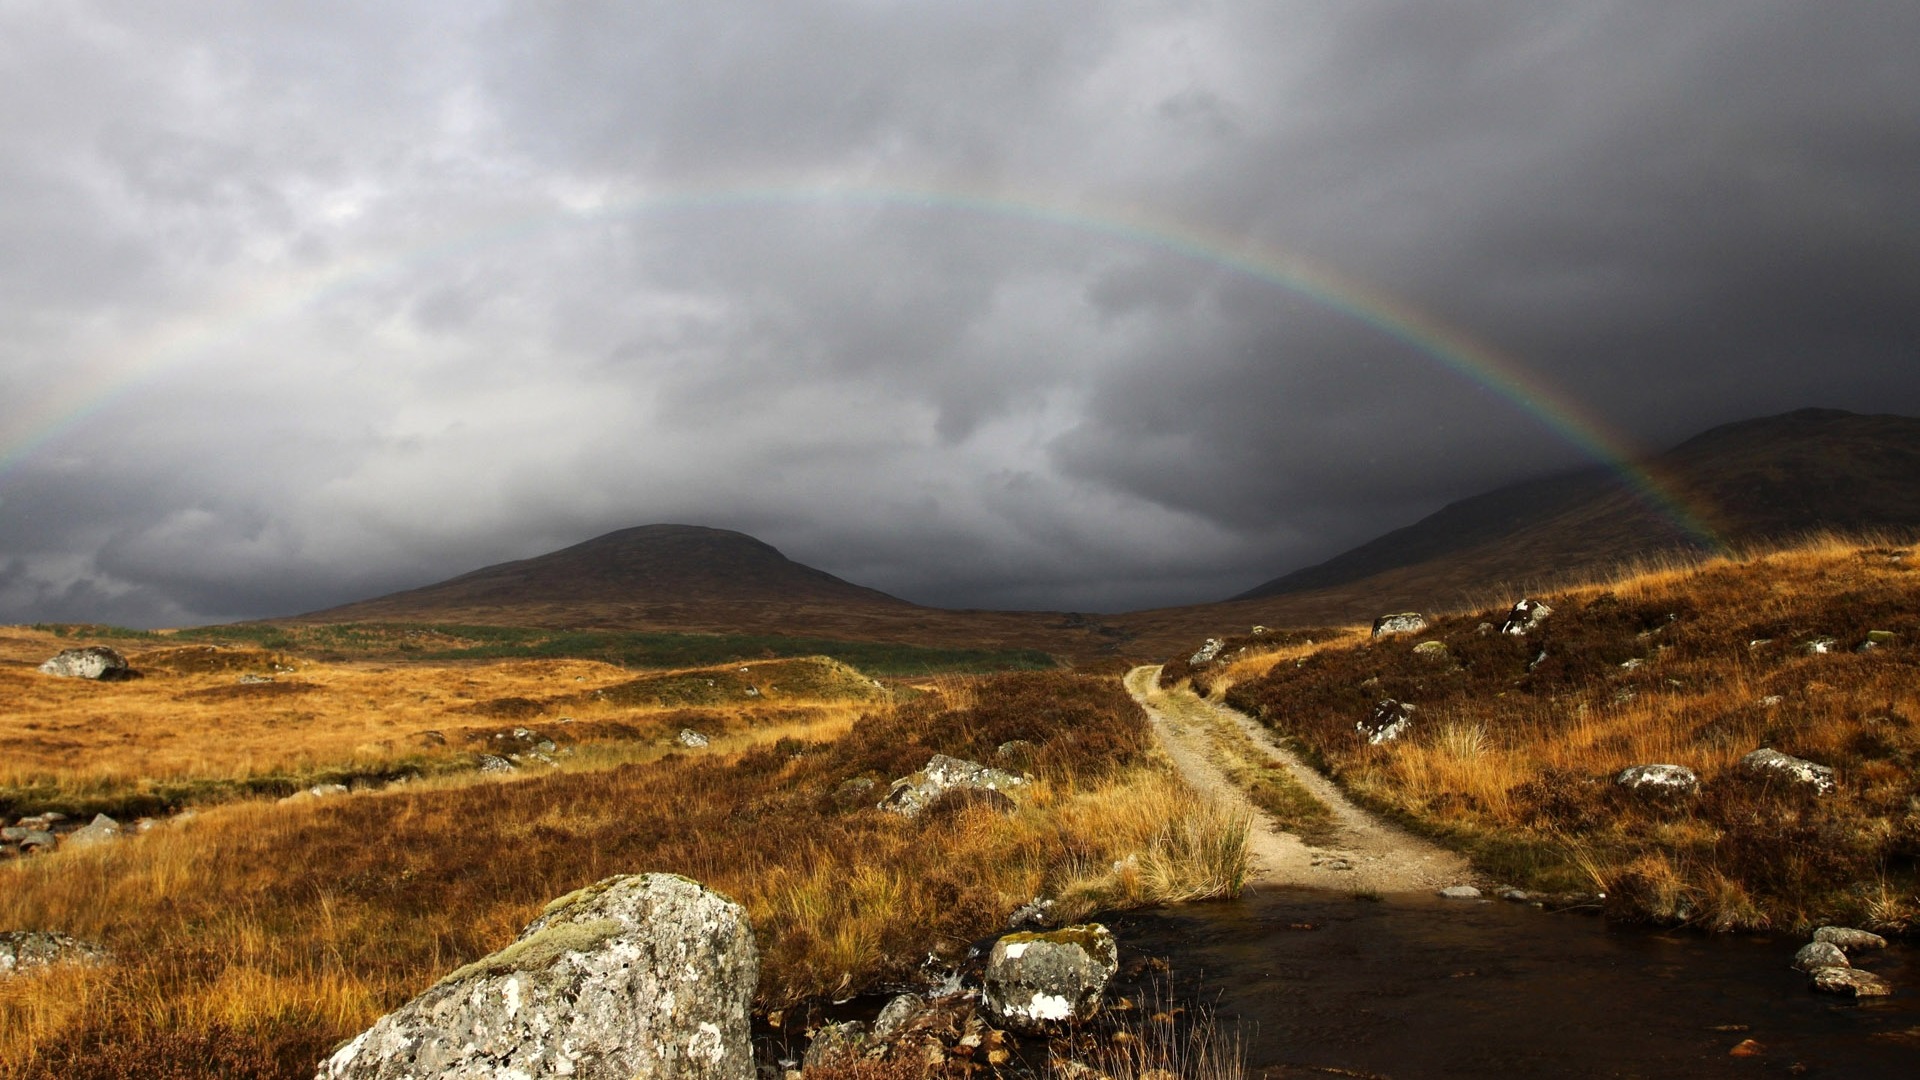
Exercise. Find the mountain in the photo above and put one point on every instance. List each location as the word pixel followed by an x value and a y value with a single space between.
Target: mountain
pixel 692 578
pixel 1747 483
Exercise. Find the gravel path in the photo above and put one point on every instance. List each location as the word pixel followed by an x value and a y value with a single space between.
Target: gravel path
pixel 1366 853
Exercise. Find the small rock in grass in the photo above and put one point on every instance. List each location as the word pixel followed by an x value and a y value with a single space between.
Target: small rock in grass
pixel 1526 616
pixel 691 739
pixel 1770 763
pixel 836 1045
pixel 1405 622
pixel 1850 940
pixel 1659 779
pixel 898 1014
pixel 1460 892
pixel 494 763
pixel 1850 982
pixel 1388 721
pixel 1820 646
pixel 911 794
pixel 100 830
pixel 1876 639
pixel 1431 650
pixel 1815 955
pixel 22 950
pixel 1208 650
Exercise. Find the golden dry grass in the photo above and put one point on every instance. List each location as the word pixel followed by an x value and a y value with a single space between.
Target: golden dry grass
pixel 255 935
pixel 1516 740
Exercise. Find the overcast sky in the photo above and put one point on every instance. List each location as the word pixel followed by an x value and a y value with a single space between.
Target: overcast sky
pixel 305 302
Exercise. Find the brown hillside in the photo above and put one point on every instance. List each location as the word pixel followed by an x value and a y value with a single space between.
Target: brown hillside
pixel 1754 482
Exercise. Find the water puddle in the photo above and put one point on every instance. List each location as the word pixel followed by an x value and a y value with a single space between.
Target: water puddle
pixel 1410 987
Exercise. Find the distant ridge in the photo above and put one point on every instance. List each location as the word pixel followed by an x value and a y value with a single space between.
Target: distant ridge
pixel 1752 481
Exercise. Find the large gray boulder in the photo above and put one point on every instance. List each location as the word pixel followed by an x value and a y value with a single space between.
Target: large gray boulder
pixel 93 662
pixel 1850 982
pixel 24 950
pixel 1035 982
pixel 1849 940
pixel 638 977
pixel 1815 955
pixel 911 794
pixel 1769 764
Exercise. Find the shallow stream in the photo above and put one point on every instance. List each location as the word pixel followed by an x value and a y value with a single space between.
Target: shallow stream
pixel 1411 987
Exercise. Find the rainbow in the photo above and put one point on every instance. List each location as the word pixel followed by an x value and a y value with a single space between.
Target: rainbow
pixel 176 343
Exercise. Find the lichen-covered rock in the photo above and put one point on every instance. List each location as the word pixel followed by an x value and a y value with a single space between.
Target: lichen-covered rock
pixel 1849 940
pixel 1405 622
pixel 1850 982
pixel 911 794
pixel 691 739
pixel 638 977
pixel 1659 779
pixel 1435 651
pixel 1037 981
pixel 1388 721
pixel 1815 955
pixel 494 763
pixel 897 1014
pixel 93 662
pixel 1526 616
pixel 1771 764
pixel 24 950
pixel 1208 650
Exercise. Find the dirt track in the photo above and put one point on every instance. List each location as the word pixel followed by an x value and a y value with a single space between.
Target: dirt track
pixel 1366 854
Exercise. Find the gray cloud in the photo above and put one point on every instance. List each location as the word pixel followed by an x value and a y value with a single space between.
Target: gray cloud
pixel 300 303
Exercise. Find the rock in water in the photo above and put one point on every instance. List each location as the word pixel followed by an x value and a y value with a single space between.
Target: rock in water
pixel 1526 616
pixel 639 977
pixel 1850 982
pixel 92 662
pixel 1848 939
pixel 1036 981
pixel 1772 764
pixel 1819 954
pixel 1659 779
pixel 911 794
pixel 1405 622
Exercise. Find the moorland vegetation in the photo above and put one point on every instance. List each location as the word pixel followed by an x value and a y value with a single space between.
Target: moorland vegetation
pixel 253 936
pixel 1516 740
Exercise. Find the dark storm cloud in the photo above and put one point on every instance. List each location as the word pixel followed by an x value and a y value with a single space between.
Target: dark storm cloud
pixel 373 294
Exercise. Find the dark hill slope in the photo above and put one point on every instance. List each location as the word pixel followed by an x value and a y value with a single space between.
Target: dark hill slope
pixel 1750 482
pixel 695 579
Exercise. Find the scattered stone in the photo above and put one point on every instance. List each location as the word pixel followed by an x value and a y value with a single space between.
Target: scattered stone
pixel 494 763
pixel 1659 779
pixel 93 662
pixel 1758 642
pixel 638 977
pixel 1406 622
pixel 1747 1048
pixel 1388 721
pixel 1035 981
pixel 897 1014
pixel 1431 650
pixel 1210 649
pixel 1460 892
pixel 1526 616
pixel 254 680
pixel 1815 955
pixel 911 794
pixel 13 834
pixel 853 792
pixel 1876 639
pixel 1633 663
pixel 1258 630
pixel 1538 659
pixel 1769 763
pixel 24 950
pixel 1518 896
pixel 836 1045
pixel 1036 912
pixel 1850 982
pixel 1015 754
pixel 1771 701
pixel 38 840
pixel 100 830
pixel 1820 646
pixel 1849 940
pixel 691 739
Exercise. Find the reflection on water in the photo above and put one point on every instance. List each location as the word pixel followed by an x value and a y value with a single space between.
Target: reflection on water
pixel 1415 987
